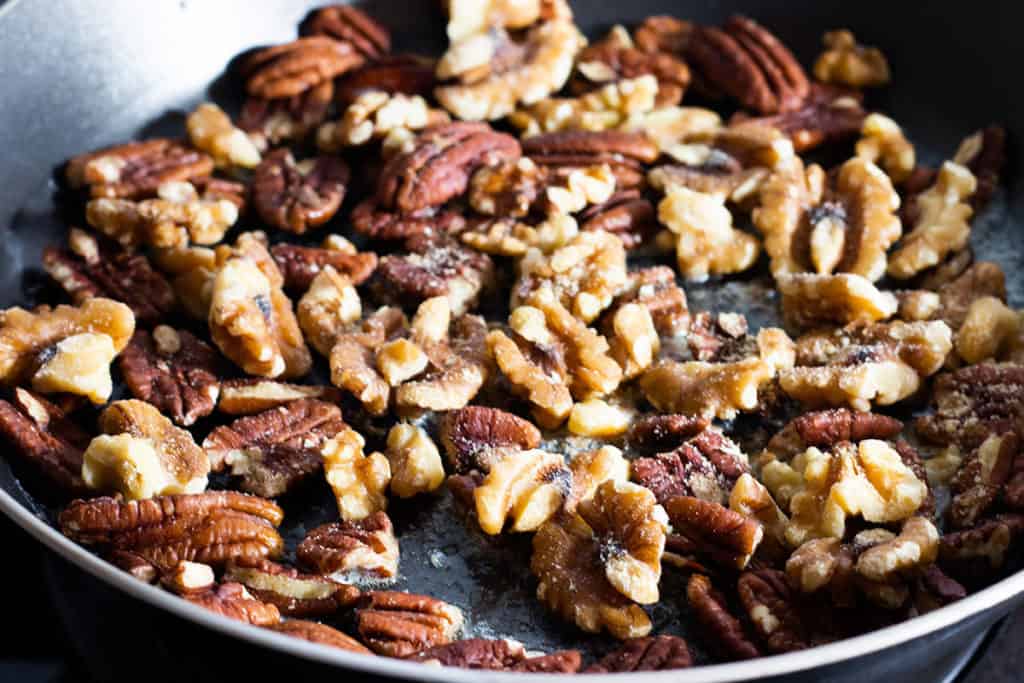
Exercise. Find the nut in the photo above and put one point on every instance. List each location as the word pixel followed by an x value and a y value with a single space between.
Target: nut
pixel 656 289
pixel 416 465
pixel 350 24
pixel 210 130
pixel 358 481
pixel 829 114
pixel 727 537
pixel 353 366
pixel 293 68
pixel 846 62
pixel 173 370
pixel 141 454
pixel 988 330
pixel 748 63
pixel 351 550
pixel 882 142
pixel 750 498
pixel 300 265
pixel 276 449
pixel 624 152
pixel 506 189
pixel 982 279
pixel 978 553
pixel 328 308
pixel 705 466
pixel 88 269
pixel 299 196
pixel 626 214
pixel 375 114
pixel 43 435
pixel 408 74
pixel 176 217
pixel 591 469
pixel 568 563
pixel 231 600
pixel 79 365
pixel 598 419
pixel 916 546
pixel 811 224
pixel 974 402
pixel 713 614
pixel 653 653
pixel 773 610
pixel 662 433
pixel 935 589
pixel 475 437
pixel 810 300
pixel 526 487
pixel 984 154
pixel 192 271
pixel 981 478
pixel 251 396
pixel 608 107
pixel 400 624
pixel 294 594
pixel 579 188
pixel 942 226
pixel 498 655
pixel 135 170
pixel 212 527
pixel 633 338
pixel 319 633
pixel 189 577
pixel 279 121
pixel 707 243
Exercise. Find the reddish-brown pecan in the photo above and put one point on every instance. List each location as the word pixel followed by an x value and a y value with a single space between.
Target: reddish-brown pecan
pixel 293 68
pixel 405 74
pixel 370 220
pixel 662 433
pixel 564 152
pixel 745 61
pixel 826 428
pixel 829 114
pixel 984 153
pixel 366 547
pixel 89 268
pixel 400 624
pixel 347 23
pixel 663 33
pixel 974 402
pixel 294 594
pixel 771 607
pixel 298 196
pixel 299 264
pixel 626 214
pixel 136 169
pixel 134 564
pixel 726 537
pixel 174 370
pixel 615 58
pixel 319 633
pixel 474 437
pixel 977 555
pixel 440 165
pixel 935 589
pixel 498 655
pixel 724 631
pixel 652 653
pixel 43 435
pixel 981 478
pixel 274 450
pixel 290 119
pixel 718 338
pixel 231 600
pixel 214 527
pixel 705 467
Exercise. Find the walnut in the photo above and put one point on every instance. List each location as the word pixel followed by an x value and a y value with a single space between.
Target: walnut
pixel 713 614
pixel 269 123
pixel 634 340
pixel 321 634
pixel 373 115
pixel 568 563
pixel 176 217
pixel 656 290
pixel 707 243
pixel 498 655
pixel 579 188
pixel 883 143
pixel 475 437
pixel 192 271
pixel 963 288
pixel 864 364
pixel 42 434
pixel 846 62
pixel 251 319
pixel 358 481
pixel 298 196
pixel 400 624
pixel 609 107
pixel 293 593
pixel 233 601
pixel 810 223
pixel 213 527
pixel 989 329
pixel 974 402
pixel 496 72
pixel 981 478
pixel 916 546
pixel 667 127
pixel 79 365
pixel 590 469
pixel 415 461
pixel 597 419
pixel 526 487
pixel 942 225
pixel 352 550
pixel 751 498
pixel 251 396
pixel 135 170
pixel 329 306
pixel 141 454
pixel 290 69
pixel 653 653
pixel 353 359
pixel 211 131
pixel 299 265
pixel 584 275
pixel 810 300
pixel 917 304
pixel 727 537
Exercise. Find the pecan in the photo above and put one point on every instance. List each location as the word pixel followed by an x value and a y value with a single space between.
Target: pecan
pixel 981 478
pixel 705 466
pixel 829 114
pixel 713 614
pixel 727 537
pixel 935 589
pixel 626 214
pixel 173 370
pixel 661 433
pixel 717 337
pixel 400 624
pixel 770 604
pixel 624 153
pixel 350 24
pixel 433 266
pixel 827 428
pixel 748 63
pixel 656 290
pixel 291 119
pixel 136 565
pixel 251 396
pixel 973 403
pixel 368 219
pixel 653 653
pixel 89 268
pixel 475 437
pixel 365 548
pixel 293 68
pixel 299 264
pixel 498 655
pixel 298 196
pixel 293 593
pixel 319 633
pixel 189 578
pixel 212 527
pixel 976 555
pixel 231 600
pixel 407 74
pixel 135 170
pixel 440 165
pixel 276 449
pixel 42 434
pixel 984 154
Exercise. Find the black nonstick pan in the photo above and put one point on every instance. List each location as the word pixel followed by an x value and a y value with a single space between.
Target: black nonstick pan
pixel 80 74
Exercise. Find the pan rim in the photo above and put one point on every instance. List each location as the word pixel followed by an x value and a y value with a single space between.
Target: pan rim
pixel 992 596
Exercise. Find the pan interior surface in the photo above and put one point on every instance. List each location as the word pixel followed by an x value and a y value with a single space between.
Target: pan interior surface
pixel 97 73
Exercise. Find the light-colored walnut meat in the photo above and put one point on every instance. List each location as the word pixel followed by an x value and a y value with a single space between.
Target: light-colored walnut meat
pixel 610 107
pixel 79 365
pixel 353 358
pixel 706 241
pixel 633 338
pixel 399 624
pixel 141 454
pixel 526 488
pixel 917 545
pixel 358 481
pixel 599 419
pixel 810 300
pixel 591 469
pixel 942 225
pixel 416 465
pixel 330 306
pixel 864 364
pixel 990 330
pixel 569 567
pixel 374 115
pixel 810 223
pixel 211 131
pixel 846 62
pixel 251 318
pixel 352 551
pixel 883 142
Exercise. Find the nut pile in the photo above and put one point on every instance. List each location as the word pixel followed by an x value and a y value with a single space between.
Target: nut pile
pixel 506 298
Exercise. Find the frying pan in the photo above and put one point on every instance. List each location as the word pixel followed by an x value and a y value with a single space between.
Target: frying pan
pixel 87 73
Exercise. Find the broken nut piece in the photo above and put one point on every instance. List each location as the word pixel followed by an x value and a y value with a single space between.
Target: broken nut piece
pixel 416 465
pixel 352 551
pixel 846 62
pixel 358 481
pixel 211 131
pixel 526 488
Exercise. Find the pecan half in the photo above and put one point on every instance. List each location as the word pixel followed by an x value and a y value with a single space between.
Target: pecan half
pixel 350 24
pixel 382 224
pixel 231 600
pixel 406 74
pixel 400 624
pixel 624 153
pixel 653 653
pixel 706 466
pixel 298 196
pixel 829 114
pixel 291 119
pixel 498 655
pixel 43 435
pixel 826 428
pixel 771 606
pixel 977 555
pixel 725 536
pixel 293 593
pixel 319 633
pixel 299 264
pixel 475 437
pixel 661 433
pixel 626 214
pixel 364 548
pixel 725 631
pixel 981 478
pixel 135 170
pixel 173 370
pixel 293 68
pixel 212 527
pixel 973 403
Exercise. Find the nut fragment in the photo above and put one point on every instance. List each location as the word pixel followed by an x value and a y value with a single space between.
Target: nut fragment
pixel 728 537
pixel 829 114
pixel 713 614
pixel 624 152
pixel 352 25
pixel 272 122
pixel 321 634
pixel 498 655
pixel 705 466
pixel 526 487
pixel 810 300
pixel 357 480
pixel 984 154
pixel 211 131
pixel 974 402
pixel 212 527
pixel 251 396
pixel 976 554
pixel 352 550
pixel 612 106
pixel 353 366
pixel 294 594
pixel 988 330
pixel 79 365
pixel 43 435
pixel 329 306
pixel 415 461
pixel 475 437
pixel 233 601
pixel 299 265
pixel 375 114
pixel 653 653
pixel 135 170
pixel 916 546
pixel 399 624
pixel 883 142
pixel 298 196
pixel 293 68
pixel 772 608
pixel 981 478
pixel 846 62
